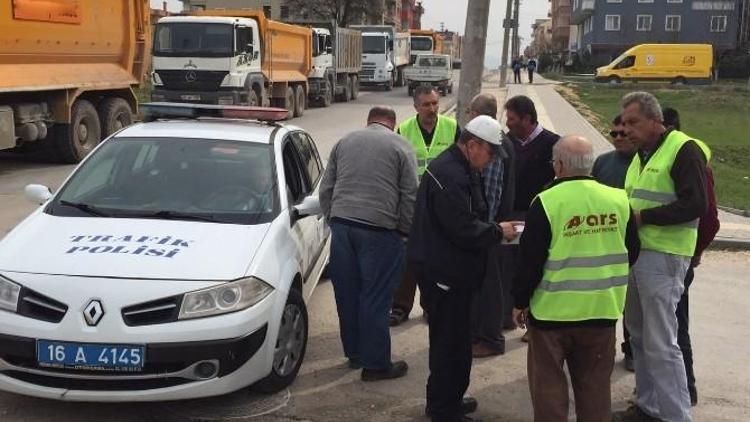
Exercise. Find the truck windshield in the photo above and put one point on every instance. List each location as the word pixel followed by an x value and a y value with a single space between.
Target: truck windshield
pixel 174 178
pixel 432 62
pixel 373 45
pixel 194 40
pixel 421 43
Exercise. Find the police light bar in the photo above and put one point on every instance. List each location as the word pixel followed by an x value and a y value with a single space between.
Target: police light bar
pixel 163 110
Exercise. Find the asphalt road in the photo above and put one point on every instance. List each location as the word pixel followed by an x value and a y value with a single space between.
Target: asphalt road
pixel 326 390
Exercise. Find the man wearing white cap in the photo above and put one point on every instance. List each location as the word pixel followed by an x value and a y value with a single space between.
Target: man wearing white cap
pixel 448 250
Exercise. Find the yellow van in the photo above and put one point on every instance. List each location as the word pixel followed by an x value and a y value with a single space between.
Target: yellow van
pixel 677 63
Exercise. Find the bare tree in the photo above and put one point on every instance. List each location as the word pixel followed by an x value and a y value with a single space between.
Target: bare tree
pixel 344 12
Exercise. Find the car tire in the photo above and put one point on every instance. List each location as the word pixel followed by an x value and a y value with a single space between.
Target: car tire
pixel 291 344
pixel 613 80
pixel 299 101
pixel 75 140
pixel 679 81
pixel 115 114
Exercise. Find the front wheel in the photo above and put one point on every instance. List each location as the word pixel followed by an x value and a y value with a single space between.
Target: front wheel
pixel 291 345
pixel 75 140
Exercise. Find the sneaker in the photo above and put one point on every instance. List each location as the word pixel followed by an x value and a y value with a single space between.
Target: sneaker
pixel 693 395
pixel 480 350
pixel 468 405
pixel 397 317
pixel 633 414
pixel 397 370
pixel 628 362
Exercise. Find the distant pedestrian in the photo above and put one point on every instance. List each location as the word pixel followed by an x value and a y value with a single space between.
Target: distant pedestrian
pixel 666 183
pixel 367 194
pixel 533 146
pixel 579 240
pixel 516 65
pixel 491 312
pixel 430 133
pixel 531 68
pixel 448 249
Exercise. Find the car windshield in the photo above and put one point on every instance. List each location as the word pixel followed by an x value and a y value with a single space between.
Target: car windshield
pixel 194 40
pixel 432 62
pixel 421 43
pixel 373 45
pixel 177 179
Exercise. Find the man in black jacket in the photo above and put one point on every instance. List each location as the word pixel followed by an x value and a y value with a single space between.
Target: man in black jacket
pixel 448 249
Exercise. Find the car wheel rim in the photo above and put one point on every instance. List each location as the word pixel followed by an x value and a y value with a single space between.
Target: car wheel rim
pixel 291 341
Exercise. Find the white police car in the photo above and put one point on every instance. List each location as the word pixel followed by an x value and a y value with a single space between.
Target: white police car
pixel 173 263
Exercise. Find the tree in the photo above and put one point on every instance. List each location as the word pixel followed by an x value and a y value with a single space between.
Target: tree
pixel 344 12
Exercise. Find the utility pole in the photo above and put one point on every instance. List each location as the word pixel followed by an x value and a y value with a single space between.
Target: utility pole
pixel 516 43
pixel 507 25
pixel 475 41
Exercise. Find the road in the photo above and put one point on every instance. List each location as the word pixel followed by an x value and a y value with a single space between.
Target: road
pixel 327 391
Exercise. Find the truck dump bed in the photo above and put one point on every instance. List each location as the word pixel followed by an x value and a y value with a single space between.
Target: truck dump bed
pixel 348 50
pixel 83 44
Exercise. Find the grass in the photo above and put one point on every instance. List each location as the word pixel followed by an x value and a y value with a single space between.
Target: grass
pixel 719 115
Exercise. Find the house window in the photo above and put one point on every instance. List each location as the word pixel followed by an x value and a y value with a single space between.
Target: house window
pixel 614 1
pixel 713 5
pixel 645 1
pixel 674 1
pixel 673 23
pixel 612 23
pixel 644 23
pixel 718 24
pixel 588 25
pixel 284 12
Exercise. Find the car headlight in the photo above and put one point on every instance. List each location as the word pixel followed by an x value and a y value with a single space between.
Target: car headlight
pixel 9 292
pixel 229 297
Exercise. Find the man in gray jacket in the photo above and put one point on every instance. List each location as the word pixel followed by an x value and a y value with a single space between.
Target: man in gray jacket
pixel 367 194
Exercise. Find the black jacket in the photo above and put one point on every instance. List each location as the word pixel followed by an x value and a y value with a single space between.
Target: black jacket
pixel 449 237
pixel 533 169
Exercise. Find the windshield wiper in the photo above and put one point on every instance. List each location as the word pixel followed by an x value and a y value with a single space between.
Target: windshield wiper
pixel 177 215
pixel 88 209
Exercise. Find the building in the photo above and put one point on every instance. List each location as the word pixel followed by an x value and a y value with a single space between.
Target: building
pixel 606 28
pixel 744 33
pixel 411 14
pixel 560 15
pixel 541 37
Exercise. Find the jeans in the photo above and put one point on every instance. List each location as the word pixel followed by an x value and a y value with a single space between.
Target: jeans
pixel 366 266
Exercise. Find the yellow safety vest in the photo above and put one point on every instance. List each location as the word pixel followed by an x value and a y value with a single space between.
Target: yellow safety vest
pixel 445 133
pixel 586 273
pixel 652 186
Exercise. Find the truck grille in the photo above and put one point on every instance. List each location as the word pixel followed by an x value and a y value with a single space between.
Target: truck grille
pixel 367 72
pixel 34 305
pixel 154 312
pixel 192 80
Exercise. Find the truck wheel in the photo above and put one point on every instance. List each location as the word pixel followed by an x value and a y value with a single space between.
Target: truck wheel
pixel 344 96
pixel 399 78
pixel 328 96
pixel 355 87
pixel 299 101
pixel 410 90
pixel 288 102
pixel 290 346
pixel 252 98
pixel 75 140
pixel 389 85
pixel 450 89
pixel 115 114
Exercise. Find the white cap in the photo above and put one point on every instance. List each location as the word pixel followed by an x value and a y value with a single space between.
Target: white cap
pixel 487 129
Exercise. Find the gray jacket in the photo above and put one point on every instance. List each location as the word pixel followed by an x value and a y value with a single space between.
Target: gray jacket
pixel 371 177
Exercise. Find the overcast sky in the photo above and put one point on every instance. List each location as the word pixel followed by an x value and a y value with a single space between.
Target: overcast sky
pixel 453 14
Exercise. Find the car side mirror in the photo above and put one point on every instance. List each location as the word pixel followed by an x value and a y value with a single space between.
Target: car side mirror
pixel 38 194
pixel 309 206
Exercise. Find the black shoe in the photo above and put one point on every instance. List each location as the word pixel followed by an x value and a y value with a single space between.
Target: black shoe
pixel 693 395
pixel 628 362
pixel 354 364
pixel 397 370
pixel 468 405
pixel 633 414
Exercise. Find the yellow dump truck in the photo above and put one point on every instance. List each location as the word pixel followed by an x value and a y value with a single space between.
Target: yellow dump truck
pixel 67 69
pixel 424 41
pixel 232 57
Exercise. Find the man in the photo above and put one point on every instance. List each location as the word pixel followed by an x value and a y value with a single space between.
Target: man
pixel 610 169
pixel 367 193
pixel 579 240
pixel 447 248
pixel 491 301
pixel 667 189
pixel 708 226
pixel 429 133
pixel 516 66
pixel 533 145
pixel 531 68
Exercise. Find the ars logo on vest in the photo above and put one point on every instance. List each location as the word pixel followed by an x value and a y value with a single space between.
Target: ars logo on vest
pixel 592 224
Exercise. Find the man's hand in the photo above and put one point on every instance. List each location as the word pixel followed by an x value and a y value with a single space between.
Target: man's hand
pixel 509 231
pixel 520 316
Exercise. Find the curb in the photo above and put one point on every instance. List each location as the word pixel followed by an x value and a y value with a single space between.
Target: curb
pixel 730 244
pixel 735 211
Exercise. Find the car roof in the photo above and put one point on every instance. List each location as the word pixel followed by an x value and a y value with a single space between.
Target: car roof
pixel 214 129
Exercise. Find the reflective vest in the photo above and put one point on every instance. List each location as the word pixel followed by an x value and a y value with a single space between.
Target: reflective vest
pixel 586 273
pixel 652 186
pixel 442 138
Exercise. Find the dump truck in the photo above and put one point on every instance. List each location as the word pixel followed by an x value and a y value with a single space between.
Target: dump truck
pixel 451 45
pixel 336 63
pixel 232 57
pixel 67 72
pixel 385 55
pixel 425 41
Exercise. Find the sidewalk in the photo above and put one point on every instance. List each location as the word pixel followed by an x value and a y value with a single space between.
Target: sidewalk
pixel 556 114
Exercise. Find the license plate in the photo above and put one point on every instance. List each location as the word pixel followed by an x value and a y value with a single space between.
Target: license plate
pixel 191 97
pixel 96 357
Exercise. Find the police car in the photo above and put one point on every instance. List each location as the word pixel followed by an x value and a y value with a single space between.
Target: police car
pixel 174 262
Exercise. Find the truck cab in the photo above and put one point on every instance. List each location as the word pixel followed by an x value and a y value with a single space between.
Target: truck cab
pixel 377 66
pixel 421 44
pixel 206 59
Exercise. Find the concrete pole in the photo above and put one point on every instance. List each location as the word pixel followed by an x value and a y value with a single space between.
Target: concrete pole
pixel 506 41
pixel 472 67
pixel 516 41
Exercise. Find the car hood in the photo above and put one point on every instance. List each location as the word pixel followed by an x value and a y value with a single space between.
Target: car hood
pixel 130 248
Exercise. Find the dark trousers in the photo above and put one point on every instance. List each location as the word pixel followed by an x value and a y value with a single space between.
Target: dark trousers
pixel 403 299
pixel 683 333
pixel 531 76
pixel 517 76
pixel 450 349
pixel 490 311
pixel 590 355
pixel 365 267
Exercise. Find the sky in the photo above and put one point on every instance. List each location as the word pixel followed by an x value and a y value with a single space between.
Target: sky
pixel 453 14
